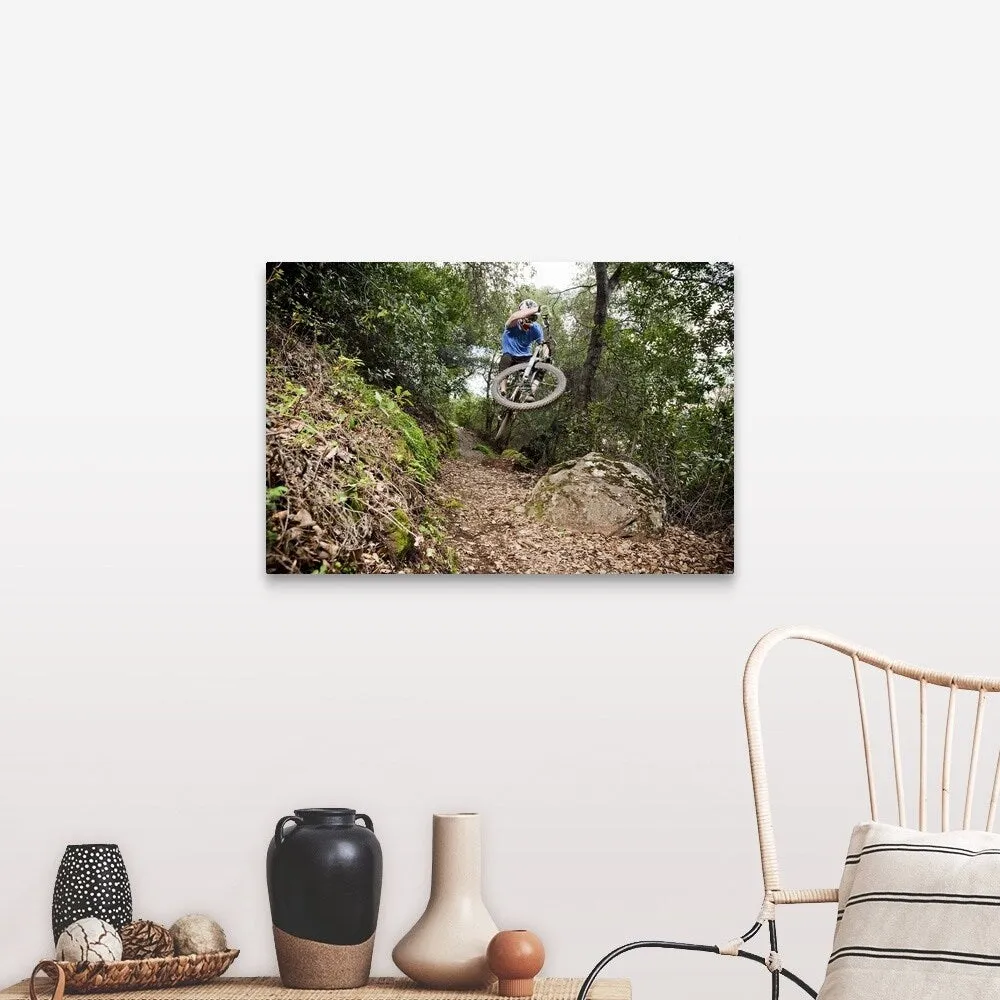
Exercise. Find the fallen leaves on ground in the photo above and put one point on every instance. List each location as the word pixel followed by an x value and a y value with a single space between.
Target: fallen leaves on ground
pixel 491 533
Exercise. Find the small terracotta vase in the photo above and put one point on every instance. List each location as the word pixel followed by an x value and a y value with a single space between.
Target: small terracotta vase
pixel 515 958
pixel 446 947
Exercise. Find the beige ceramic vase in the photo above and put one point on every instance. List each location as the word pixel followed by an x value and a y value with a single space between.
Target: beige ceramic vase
pixel 446 947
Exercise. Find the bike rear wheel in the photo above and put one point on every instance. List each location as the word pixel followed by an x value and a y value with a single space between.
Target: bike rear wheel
pixel 550 385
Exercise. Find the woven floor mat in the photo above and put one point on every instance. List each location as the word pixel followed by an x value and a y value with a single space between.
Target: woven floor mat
pixel 235 988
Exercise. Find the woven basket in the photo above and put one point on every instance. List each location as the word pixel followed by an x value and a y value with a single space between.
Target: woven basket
pixel 133 974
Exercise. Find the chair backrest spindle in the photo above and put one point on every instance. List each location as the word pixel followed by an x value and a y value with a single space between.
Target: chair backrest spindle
pixel 977 734
pixel 949 735
pixel 922 807
pixel 865 739
pixel 995 794
pixel 897 757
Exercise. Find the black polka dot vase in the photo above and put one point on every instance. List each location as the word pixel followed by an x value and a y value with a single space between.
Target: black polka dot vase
pixel 91 882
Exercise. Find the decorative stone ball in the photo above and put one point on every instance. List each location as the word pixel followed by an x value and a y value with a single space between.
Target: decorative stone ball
pixel 515 958
pixel 144 939
pixel 197 934
pixel 89 940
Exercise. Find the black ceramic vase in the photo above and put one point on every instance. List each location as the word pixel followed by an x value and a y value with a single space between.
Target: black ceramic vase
pixel 91 882
pixel 324 881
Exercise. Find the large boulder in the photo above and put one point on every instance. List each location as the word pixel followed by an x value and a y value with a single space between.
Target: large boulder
pixel 598 494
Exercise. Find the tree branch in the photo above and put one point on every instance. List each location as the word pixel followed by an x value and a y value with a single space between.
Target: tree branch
pixel 572 288
pixel 704 281
pixel 670 275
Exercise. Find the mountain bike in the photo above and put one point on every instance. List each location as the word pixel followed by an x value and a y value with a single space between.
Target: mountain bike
pixel 530 385
pixel 527 386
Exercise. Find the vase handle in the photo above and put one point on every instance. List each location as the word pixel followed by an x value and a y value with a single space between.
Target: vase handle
pixel 367 820
pixel 53 971
pixel 279 830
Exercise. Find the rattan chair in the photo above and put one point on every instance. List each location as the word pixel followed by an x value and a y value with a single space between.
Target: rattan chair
pixel 776 893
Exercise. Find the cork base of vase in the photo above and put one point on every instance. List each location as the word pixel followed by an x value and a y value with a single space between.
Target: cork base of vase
pixel 313 965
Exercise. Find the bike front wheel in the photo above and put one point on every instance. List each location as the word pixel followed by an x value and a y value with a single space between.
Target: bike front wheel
pixel 550 384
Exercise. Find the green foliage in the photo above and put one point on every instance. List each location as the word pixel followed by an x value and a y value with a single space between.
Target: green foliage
pixel 471 411
pixel 485 449
pixel 490 295
pixel 273 495
pixel 663 393
pixel 348 469
pixel 399 533
pixel 417 452
pixel 515 458
pixel 412 325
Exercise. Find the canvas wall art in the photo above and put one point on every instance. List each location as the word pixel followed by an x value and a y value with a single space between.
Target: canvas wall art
pixel 500 417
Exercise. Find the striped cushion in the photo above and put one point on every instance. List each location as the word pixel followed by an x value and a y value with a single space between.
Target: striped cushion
pixel 918 917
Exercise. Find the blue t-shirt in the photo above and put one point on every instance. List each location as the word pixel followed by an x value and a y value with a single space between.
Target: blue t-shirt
pixel 517 342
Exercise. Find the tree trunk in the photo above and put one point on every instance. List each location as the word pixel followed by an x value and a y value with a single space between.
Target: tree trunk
pixel 596 346
pixel 604 287
pixel 488 416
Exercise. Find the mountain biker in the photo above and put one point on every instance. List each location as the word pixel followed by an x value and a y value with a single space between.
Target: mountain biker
pixel 521 331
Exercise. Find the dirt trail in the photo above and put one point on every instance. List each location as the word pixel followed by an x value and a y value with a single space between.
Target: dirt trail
pixel 489 529
pixel 467 442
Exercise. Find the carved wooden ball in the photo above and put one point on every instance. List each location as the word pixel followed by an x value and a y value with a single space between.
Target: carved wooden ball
pixel 515 958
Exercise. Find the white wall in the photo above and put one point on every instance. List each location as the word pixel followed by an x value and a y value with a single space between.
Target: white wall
pixel 161 692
